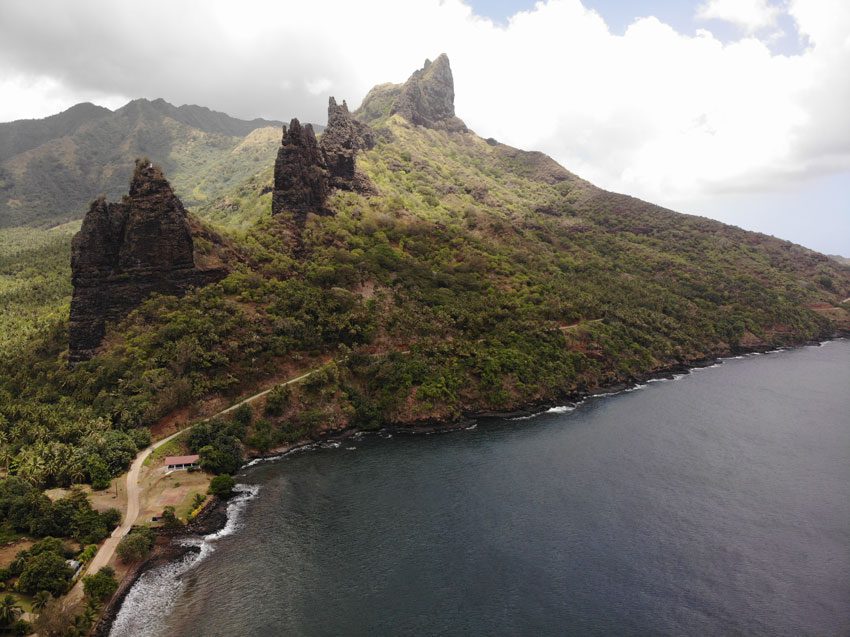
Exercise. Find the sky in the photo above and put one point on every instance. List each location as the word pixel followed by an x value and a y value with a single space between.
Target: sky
pixel 732 109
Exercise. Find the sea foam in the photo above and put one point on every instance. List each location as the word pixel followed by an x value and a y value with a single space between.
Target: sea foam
pixel 152 597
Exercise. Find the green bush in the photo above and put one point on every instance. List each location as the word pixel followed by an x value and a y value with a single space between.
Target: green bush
pixel 101 585
pixel 135 546
pixel 222 486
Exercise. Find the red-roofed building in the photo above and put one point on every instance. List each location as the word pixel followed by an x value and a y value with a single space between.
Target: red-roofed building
pixel 181 462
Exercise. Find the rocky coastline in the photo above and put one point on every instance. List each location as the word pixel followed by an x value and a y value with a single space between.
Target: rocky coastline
pixel 213 518
pixel 168 548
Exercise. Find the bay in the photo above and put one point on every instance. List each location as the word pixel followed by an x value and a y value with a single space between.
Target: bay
pixel 715 504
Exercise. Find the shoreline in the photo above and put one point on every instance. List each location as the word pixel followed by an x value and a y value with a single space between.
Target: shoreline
pixel 167 549
pixel 213 518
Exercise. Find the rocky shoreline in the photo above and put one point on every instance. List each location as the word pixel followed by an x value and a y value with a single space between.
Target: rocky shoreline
pixel 168 548
pixel 214 516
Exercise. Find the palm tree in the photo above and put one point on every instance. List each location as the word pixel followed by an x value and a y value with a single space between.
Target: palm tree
pixel 89 614
pixel 6 456
pixel 78 474
pixel 9 610
pixel 40 600
pixel 82 624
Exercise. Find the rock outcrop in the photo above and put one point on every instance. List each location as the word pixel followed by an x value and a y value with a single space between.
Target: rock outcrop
pixel 126 251
pixel 428 97
pixel 343 137
pixel 301 182
pixel 305 170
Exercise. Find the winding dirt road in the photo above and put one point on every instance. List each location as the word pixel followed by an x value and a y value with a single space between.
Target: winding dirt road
pixel 134 492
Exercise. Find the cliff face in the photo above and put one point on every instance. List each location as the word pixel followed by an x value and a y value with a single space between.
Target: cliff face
pixel 126 251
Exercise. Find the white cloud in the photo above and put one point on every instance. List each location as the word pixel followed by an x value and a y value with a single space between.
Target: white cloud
pixel 318 86
pixel 34 97
pixel 666 116
pixel 750 15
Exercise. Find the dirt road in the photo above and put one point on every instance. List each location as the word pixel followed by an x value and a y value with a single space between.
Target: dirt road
pixel 134 492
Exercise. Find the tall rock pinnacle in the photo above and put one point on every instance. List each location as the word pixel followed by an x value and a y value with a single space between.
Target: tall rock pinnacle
pixel 126 251
pixel 305 171
pixel 300 176
pixel 341 140
pixel 428 97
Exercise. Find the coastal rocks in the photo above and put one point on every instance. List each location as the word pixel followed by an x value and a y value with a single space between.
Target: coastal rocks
pixel 427 98
pixel 341 140
pixel 126 251
pixel 301 182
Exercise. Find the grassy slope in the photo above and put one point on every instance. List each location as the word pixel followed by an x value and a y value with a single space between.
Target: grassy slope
pixel 481 278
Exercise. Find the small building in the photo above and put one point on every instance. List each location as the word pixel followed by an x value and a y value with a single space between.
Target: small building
pixel 173 463
pixel 75 566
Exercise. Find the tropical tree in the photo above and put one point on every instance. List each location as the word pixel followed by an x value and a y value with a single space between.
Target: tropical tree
pixel 135 546
pixel 45 572
pixel 6 455
pixel 9 610
pixel 40 600
pixel 101 585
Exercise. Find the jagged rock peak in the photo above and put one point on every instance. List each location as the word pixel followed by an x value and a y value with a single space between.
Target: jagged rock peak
pixel 428 97
pixel 126 251
pixel 344 130
pixel 301 182
pixel 148 179
pixel 341 140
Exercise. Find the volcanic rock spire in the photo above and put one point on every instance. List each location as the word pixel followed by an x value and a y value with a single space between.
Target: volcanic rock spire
pixel 126 251
pixel 300 176
pixel 343 137
pixel 305 170
pixel 428 97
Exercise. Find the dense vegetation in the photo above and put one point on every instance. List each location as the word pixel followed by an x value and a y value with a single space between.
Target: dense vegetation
pixel 25 509
pixel 481 278
pixel 35 281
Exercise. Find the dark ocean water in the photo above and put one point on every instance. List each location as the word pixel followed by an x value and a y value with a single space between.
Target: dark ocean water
pixel 717 504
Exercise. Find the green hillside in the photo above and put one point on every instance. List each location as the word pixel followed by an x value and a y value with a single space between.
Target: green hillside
pixel 51 169
pixel 480 278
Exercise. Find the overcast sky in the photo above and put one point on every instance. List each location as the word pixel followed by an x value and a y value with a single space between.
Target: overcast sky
pixel 735 109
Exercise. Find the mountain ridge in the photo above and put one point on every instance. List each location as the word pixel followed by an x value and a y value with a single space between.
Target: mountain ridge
pixel 50 169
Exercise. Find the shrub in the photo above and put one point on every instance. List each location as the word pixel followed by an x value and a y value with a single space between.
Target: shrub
pixel 278 400
pixel 243 415
pixel 135 546
pixel 100 586
pixel 87 553
pixel 222 486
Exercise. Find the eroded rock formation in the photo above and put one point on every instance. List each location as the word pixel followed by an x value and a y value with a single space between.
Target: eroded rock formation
pixel 428 97
pixel 126 251
pixel 305 170
pixel 301 182
pixel 341 140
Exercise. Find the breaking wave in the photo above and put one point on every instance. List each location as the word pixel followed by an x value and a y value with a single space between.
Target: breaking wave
pixel 150 600
pixel 560 409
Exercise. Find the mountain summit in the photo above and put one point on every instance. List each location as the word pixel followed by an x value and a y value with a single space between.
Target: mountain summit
pixel 50 169
pixel 426 99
